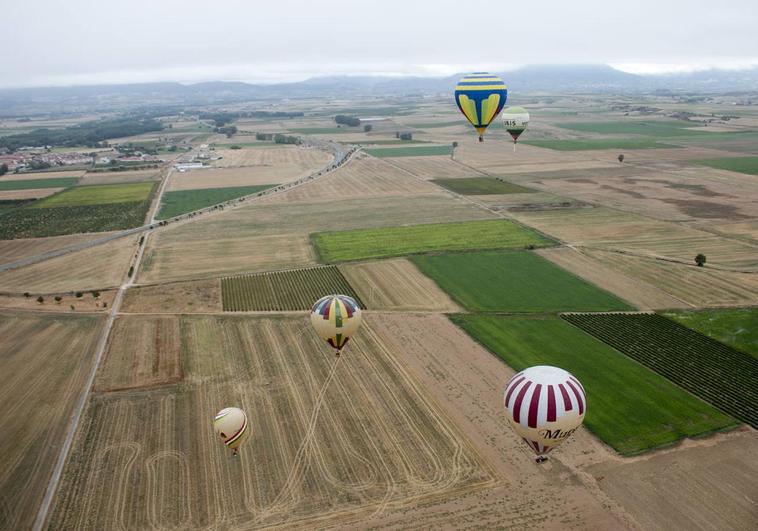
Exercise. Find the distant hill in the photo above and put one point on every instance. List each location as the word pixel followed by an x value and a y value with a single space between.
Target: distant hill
pixel 529 79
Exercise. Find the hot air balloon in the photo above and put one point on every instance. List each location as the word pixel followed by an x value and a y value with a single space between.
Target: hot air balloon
pixel 336 318
pixel 231 425
pixel 545 405
pixel 480 97
pixel 515 120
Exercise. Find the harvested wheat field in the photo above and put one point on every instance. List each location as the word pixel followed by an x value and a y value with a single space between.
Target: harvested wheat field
pixel 286 158
pixel 503 160
pixel 142 352
pixel 100 267
pixel 707 484
pixel 696 286
pixel 364 177
pixel 319 455
pixel 197 296
pixel 33 193
pixel 396 285
pixel 603 228
pixel 265 237
pixel 44 361
pixel 231 177
pixel 643 295
pixel 75 174
pixel 434 167
pixel 12 250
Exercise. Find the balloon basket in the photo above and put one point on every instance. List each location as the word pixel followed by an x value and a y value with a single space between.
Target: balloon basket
pixel 540 459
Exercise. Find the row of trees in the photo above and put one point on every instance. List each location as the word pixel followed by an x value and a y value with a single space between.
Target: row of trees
pixel 286 139
pixel 90 134
pixel 352 121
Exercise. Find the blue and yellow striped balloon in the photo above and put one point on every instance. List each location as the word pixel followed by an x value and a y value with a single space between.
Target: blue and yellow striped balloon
pixel 480 97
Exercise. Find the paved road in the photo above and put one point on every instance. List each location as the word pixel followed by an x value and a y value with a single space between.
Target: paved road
pixel 341 155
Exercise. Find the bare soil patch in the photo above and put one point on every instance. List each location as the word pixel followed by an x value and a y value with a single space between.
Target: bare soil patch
pixel 33 193
pixel 302 159
pixel 200 296
pixel 231 177
pixel 704 486
pixel 142 352
pixel 434 167
pixel 120 177
pixel 43 175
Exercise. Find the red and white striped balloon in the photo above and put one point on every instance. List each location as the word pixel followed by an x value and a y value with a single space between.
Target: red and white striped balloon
pixel 545 405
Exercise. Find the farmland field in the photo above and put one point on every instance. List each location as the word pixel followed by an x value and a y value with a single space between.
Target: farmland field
pixel 721 375
pixel 60 221
pixel 197 296
pixel 513 281
pixel 44 361
pixel 377 441
pixel 648 128
pixel 396 285
pixel 295 289
pixel 736 327
pixel 480 186
pixel 230 177
pixel 413 151
pixel 28 184
pixel 99 194
pixel 624 398
pixel 747 165
pixel 597 143
pixel 181 202
pixel 396 241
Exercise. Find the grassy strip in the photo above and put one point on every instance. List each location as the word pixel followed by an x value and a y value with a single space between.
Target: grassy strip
pixel 397 241
pixel 736 327
pixel 183 201
pixel 32 184
pixel 480 186
pixel 98 195
pixel 413 151
pixel 592 144
pixel 748 165
pixel 513 281
pixel 629 407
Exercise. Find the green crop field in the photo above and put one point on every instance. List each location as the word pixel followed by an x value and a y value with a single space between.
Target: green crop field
pixel 397 241
pixel 369 142
pixel 747 165
pixel 98 195
pixel 648 128
pixel 57 221
pixel 413 151
pixel 513 281
pixel 624 399
pixel 600 143
pixel 183 201
pixel 480 186
pixel 736 327
pixel 717 373
pixel 434 125
pixel 283 290
pixel 326 130
pixel 31 184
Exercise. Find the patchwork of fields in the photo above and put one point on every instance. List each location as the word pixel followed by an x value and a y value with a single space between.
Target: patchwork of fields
pixel 624 402
pixel 720 375
pixel 513 281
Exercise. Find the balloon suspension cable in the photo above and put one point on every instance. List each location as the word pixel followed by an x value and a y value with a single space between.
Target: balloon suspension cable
pixel 514 146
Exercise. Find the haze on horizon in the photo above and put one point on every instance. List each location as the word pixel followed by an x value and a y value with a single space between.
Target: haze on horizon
pixel 81 42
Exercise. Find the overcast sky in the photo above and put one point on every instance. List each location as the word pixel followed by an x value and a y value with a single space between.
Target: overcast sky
pixel 66 42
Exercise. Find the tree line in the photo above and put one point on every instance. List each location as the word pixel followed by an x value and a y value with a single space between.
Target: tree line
pixel 352 121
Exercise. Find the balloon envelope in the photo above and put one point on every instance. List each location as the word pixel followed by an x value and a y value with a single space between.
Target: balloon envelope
pixel 232 426
pixel 480 97
pixel 544 405
pixel 515 119
pixel 335 319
